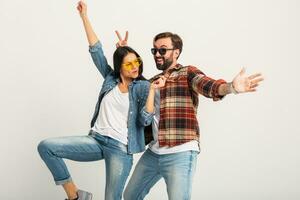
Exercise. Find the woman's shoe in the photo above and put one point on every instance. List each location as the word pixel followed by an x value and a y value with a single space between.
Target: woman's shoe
pixel 83 195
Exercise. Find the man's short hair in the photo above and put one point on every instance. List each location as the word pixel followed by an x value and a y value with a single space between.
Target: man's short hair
pixel 176 40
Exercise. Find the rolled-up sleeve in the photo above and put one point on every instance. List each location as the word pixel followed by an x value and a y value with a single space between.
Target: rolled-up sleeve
pixel 99 59
pixel 205 85
pixel 145 118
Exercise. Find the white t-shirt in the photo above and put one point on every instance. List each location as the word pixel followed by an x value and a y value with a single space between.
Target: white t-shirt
pixel 113 116
pixel 154 145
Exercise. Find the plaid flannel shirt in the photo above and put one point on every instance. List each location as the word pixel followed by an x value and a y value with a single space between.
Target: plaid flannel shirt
pixel 179 102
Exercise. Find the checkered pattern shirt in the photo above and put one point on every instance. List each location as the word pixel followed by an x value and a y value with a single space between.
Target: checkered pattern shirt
pixel 179 102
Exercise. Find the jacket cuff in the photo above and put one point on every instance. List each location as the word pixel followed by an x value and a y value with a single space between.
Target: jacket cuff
pixel 95 47
pixel 148 117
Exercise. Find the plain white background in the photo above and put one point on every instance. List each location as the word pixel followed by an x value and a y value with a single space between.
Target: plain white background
pixel 49 87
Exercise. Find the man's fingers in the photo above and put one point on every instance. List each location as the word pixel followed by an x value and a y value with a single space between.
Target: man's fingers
pixel 257 80
pixel 252 90
pixel 243 71
pixel 254 85
pixel 254 76
pixel 119 36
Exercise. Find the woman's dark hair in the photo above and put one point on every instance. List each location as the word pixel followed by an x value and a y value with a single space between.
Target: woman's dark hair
pixel 118 57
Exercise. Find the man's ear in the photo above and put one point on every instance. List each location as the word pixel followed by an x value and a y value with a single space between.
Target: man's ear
pixel 177 53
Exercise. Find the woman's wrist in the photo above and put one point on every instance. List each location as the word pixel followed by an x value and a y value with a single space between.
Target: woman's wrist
pixel 83 16
pixel 152 87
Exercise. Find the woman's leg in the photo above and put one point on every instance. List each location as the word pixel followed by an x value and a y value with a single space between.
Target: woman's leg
pixel 70 189
pixel 118 164
pixel 77 148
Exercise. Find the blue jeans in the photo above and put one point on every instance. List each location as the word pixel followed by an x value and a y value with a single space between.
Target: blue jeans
pixel 177 169
pixel 88 148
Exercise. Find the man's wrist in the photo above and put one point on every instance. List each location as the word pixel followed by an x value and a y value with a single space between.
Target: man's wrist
pixel 232 89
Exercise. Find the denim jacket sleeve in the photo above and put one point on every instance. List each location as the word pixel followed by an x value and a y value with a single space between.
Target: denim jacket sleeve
pixel 99 59
pixel 145 118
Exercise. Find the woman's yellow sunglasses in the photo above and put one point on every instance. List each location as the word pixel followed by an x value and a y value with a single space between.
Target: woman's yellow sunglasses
pixel 130 65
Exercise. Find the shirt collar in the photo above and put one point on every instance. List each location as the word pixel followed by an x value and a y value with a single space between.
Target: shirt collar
pixel 170 71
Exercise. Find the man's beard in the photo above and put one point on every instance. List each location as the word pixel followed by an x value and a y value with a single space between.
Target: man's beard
pixel 165 65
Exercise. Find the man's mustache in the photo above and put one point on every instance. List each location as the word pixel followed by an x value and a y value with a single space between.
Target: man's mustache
pixel 159 58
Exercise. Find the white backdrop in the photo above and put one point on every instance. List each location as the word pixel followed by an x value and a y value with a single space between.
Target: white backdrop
pixel 49 87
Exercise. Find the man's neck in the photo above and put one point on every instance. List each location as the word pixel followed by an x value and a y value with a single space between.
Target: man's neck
pixel 170 68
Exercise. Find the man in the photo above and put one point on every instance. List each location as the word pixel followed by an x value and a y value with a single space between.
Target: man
pixel 172 153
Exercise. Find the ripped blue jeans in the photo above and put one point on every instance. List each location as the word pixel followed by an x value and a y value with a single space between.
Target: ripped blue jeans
pixel 177 169
pixel 87 148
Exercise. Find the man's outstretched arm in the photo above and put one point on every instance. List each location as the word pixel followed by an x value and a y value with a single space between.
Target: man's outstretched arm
pixel 217 89
pixel 241 84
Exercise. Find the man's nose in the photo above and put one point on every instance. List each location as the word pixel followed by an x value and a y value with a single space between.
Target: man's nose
pixel 157 54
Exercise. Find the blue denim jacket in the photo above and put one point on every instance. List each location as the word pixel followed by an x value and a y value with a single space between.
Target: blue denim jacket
pixel 138 117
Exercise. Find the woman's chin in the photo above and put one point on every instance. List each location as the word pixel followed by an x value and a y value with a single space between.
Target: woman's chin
pixel 135 76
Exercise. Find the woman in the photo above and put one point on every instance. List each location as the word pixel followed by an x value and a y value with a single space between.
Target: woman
pixel 123 109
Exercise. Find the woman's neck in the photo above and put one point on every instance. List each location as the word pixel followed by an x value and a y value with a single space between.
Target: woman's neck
pixel 125 81
pixel 123 85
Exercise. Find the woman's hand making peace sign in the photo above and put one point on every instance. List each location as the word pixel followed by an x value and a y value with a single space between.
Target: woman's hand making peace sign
pixel 121 42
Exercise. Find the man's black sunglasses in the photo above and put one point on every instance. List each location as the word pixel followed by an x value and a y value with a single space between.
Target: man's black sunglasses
pixel 161 51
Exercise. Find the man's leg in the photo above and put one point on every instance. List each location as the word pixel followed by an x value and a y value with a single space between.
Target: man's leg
pixel 145 175
pixel 177 170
